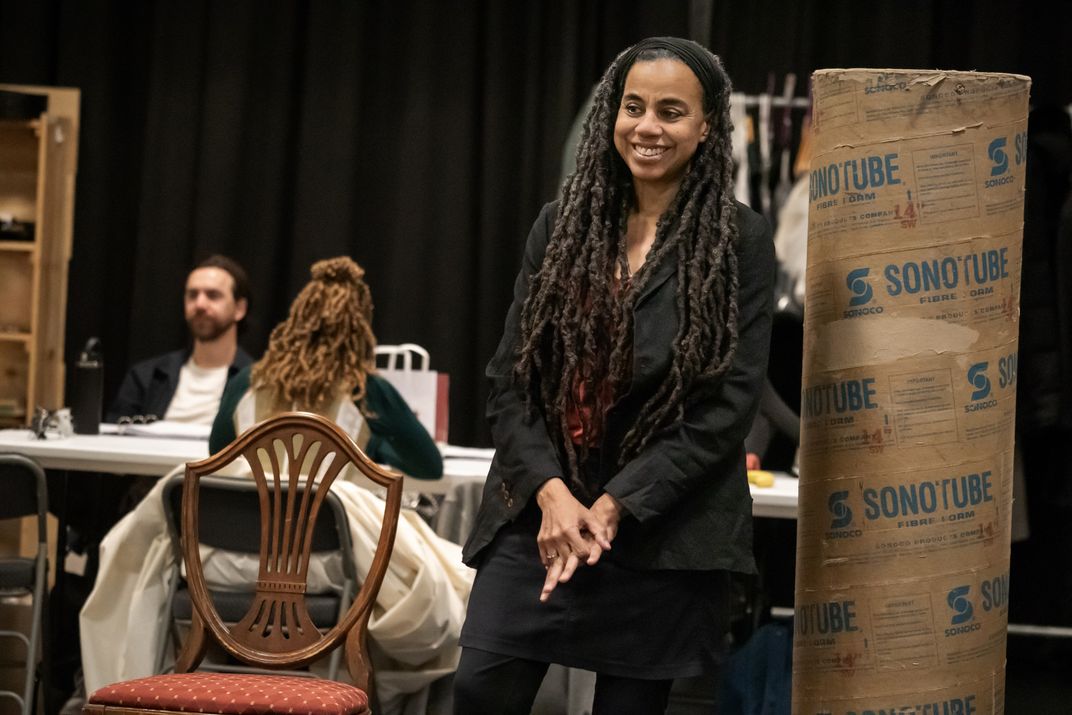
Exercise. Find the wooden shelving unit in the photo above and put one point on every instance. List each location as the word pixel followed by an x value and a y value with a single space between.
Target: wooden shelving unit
pixel 38 163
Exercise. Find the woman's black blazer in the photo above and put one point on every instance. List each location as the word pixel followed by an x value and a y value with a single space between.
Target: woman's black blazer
pixel 686 493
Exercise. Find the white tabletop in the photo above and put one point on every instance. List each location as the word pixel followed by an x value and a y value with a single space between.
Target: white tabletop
pixel 155 456
pixel 115 453
pixel 778 501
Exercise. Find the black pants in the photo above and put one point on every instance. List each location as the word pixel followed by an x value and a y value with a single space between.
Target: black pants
pixel 492 684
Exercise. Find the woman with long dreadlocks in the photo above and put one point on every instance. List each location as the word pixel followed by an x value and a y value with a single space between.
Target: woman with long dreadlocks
pixel 622 390
pixel 321 359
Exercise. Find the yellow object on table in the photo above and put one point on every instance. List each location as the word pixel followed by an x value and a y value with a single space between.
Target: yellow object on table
pixel 760 478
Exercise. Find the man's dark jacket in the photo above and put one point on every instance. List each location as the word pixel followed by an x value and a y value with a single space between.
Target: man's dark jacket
pixel 686 493
pixel 149 386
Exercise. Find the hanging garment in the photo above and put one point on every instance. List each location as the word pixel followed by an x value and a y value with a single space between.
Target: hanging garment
pixel 740 137
pixel 791 241
pixel 764 136
pixel 785 146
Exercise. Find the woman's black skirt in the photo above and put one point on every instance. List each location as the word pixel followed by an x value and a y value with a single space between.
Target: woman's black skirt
pixel 625 622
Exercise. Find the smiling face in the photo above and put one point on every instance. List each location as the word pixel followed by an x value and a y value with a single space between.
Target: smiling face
pixel 660 121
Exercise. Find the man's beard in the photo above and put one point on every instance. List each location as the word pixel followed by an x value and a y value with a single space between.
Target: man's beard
pixel 206 329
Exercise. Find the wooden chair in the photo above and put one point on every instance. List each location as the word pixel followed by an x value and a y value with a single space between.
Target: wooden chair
pixel 277 631
pixel 22 483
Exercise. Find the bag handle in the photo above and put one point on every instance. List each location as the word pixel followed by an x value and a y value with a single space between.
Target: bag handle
pixel 405 353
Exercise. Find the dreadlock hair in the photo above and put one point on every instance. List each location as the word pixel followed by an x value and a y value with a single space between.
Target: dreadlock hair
pixel 577 325
pixel 325 347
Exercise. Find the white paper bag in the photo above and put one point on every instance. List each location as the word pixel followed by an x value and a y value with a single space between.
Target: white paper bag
pixel 424 390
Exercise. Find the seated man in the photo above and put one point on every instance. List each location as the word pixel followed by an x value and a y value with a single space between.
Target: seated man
pixel 186 385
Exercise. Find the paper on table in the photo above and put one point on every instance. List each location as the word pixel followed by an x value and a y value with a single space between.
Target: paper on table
pixel 450 451
pixel 468 468
pixel 166 428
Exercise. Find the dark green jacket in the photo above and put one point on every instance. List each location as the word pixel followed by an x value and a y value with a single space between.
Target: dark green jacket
pixel 398 438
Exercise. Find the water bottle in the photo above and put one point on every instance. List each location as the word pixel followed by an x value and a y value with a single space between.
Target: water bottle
pixel 88 386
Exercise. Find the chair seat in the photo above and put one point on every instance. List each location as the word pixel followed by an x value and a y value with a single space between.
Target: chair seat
pixel 16 574
pixel 233 694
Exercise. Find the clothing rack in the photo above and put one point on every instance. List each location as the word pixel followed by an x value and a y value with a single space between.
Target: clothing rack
pixel 770 133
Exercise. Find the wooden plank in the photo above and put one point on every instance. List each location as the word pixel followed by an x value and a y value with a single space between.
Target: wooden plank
pixel 53 258
pixel 18 246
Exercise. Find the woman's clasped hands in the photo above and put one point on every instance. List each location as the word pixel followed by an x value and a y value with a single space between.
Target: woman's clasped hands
pixel 571 534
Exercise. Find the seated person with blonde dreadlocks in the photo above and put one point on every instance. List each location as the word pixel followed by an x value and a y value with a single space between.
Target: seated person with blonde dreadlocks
pixel 321 359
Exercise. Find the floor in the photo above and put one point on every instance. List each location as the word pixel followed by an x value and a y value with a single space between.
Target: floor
pixel 1041 686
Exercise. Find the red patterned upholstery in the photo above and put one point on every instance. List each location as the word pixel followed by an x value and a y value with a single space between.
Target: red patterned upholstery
pixel 235 695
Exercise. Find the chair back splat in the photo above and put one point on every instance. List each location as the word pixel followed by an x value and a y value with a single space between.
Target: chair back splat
pixel 294 459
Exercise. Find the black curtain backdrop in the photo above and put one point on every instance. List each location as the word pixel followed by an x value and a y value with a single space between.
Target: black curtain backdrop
pixel 419 137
